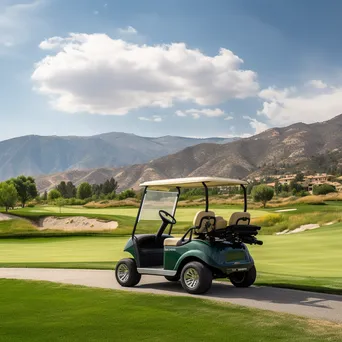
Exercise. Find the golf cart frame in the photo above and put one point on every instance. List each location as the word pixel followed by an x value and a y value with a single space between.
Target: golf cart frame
pixel 208 250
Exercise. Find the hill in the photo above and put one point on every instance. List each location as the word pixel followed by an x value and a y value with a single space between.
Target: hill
pixel 312 147
pixel 39 155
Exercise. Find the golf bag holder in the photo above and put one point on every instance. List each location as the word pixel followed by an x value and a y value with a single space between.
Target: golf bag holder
pixel 238 233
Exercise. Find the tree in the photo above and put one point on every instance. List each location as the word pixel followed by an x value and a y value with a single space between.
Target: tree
pixel 8 195
pixel 323 189
pixel 71 190
pixel 262 193
pixel 127 194
pixel 26 188
pixel 45 196
pixel 109 186
pixel 62 189
pixel 54 194
pixel 60 202
pixel 84 191
pixel 299 177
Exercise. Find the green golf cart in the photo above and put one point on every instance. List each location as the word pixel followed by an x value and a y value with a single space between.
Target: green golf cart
pixel 214 247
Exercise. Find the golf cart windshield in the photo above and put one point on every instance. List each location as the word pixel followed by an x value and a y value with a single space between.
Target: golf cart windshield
pixel 154 201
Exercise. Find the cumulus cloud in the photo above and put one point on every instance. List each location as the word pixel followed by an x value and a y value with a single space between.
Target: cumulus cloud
pixel 17 22
pixel 286 106
pixel 197 113
pixel 258 126
pixel 97 74
pixel 154 118
pixel 128 30
pixel 319 84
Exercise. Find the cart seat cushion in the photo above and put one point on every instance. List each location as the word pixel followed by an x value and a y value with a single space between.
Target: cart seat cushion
pixel 171 241
pixel 239 218
pixel 199 216
pixel 221 223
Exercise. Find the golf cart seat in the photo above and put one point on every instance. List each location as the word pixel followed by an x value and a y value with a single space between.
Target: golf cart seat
pixel 171 241
pixel 221 223
pixel 242 218
pixel 200 221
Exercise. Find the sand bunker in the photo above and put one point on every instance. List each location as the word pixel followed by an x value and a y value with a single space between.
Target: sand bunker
pixel 76 223
pixel 4 217
pixel 284 210
pixel 302 228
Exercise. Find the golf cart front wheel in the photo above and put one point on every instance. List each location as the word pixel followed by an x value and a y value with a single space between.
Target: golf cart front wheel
pixel 196 278
pixel 243 279
pixel 126 273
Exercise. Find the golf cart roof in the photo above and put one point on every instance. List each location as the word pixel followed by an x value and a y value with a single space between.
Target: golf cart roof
pixel 192 182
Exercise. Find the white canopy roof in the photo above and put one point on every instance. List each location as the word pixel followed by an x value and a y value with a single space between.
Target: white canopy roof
pixel 192 182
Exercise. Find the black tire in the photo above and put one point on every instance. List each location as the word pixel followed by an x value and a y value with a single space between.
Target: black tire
pixel 126 273
pixel 199 272
pixel 172 278
pixel 243 279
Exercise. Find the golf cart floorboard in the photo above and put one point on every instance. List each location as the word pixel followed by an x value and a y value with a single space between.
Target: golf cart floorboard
pixel 156 270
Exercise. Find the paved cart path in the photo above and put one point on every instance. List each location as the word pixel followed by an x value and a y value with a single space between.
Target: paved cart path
pixel 302 303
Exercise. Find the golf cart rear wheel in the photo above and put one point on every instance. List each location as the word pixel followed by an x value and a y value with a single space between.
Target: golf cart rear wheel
pixel 243 279
pixel 126 273
pixel 172 278
pixel 196 278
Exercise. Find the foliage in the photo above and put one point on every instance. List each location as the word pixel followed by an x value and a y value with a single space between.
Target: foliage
pixel 26 188
pixel 262 193
pixel 8 195
pixel 105 190
pixel 127 194
pixel 323 189
pixel 54 194
pixel 67 190
pixel 44 197
pixel 84 191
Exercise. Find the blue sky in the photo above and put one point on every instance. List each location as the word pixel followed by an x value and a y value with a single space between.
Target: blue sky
pixel 181 67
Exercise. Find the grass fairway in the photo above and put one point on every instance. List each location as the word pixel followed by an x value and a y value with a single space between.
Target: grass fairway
pixel 310 260
pixel 37 311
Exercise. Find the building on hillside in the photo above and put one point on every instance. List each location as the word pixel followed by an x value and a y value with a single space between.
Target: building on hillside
pixel 286 179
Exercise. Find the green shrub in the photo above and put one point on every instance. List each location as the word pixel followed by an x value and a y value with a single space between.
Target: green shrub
pixel 323 189
pixel 127 194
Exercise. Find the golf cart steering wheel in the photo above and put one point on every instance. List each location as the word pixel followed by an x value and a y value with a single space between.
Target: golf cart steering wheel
pixel 166 217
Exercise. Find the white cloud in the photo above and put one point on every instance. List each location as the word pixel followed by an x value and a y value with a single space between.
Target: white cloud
pixel 228 118
pixel 197 113
pixel 128 30
pixel 319 84
pixel 258 126
pixel 308 105
pixel 17 21
pixel 96 74
pixel 154 118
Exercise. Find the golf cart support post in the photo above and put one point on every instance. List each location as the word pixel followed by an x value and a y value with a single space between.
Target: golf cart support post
pixel 218 249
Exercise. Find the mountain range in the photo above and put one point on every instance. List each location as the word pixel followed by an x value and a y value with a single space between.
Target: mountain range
pixel 299 147
pixel 38 155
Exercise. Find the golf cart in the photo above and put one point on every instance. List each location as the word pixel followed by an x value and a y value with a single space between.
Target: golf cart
pixel 212 248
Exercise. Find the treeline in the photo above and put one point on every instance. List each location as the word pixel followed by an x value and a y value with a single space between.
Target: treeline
pixel 87 192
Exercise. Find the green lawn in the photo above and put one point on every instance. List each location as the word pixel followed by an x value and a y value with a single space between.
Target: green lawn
pixel 310 260
pixel 38 311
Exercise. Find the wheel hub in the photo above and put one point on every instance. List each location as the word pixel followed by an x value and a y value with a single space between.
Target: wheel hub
pixel 123 273
pixel 191 278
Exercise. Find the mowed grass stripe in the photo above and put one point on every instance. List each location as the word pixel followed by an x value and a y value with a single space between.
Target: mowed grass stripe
pixel 39 311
